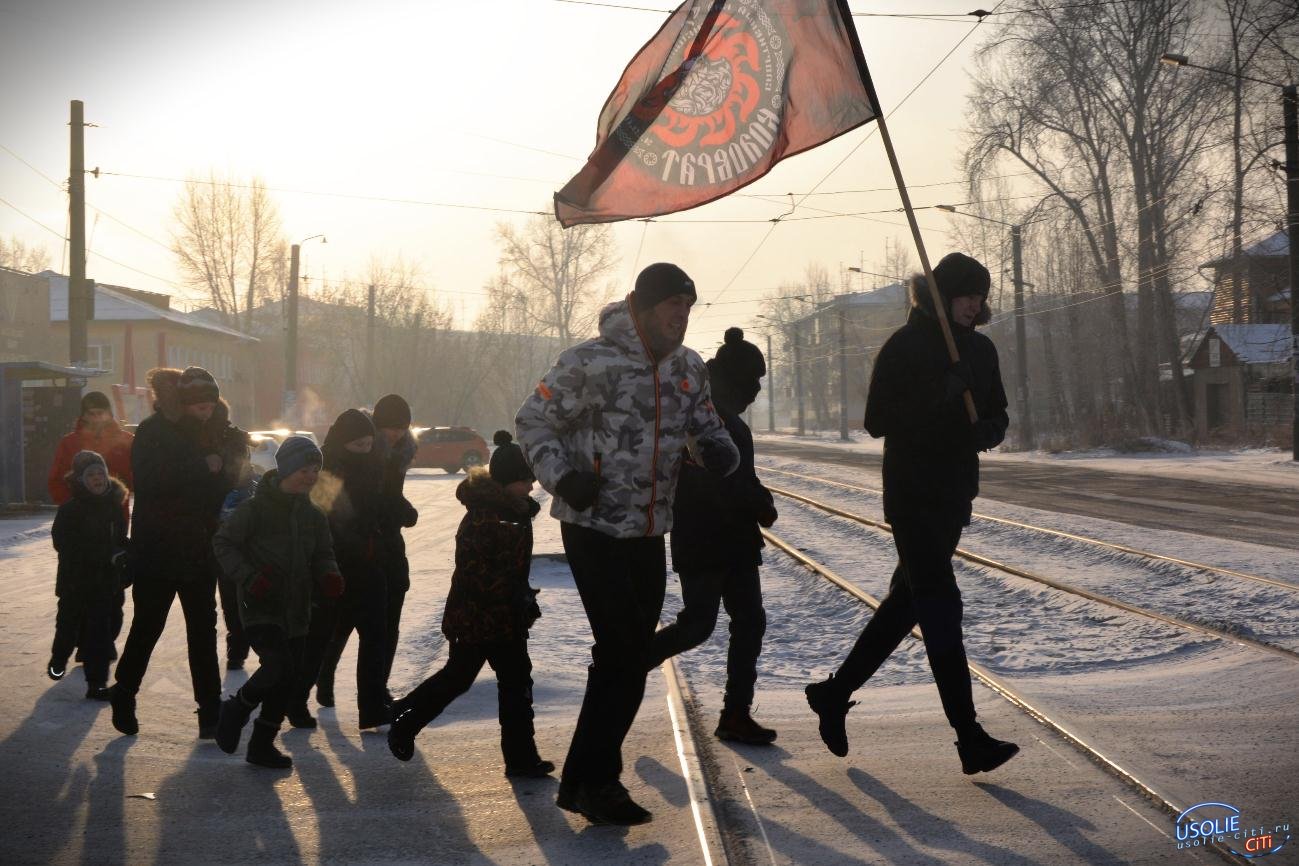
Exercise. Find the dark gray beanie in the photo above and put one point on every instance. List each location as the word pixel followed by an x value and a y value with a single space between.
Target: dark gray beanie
pixel 294 453
pixel 658 282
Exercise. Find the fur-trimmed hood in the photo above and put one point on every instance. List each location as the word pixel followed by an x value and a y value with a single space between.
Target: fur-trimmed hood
pixel 922 300
pixel 116 489
pixel 165 384
pixel 480 491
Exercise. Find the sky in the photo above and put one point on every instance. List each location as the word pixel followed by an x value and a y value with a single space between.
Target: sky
pixel 463 106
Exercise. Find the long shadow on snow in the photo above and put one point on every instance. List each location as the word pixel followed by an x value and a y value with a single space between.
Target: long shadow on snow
pixel 1060 824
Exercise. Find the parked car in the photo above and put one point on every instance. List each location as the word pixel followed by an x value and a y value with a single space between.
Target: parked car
pixel 266 442
pixel 449 448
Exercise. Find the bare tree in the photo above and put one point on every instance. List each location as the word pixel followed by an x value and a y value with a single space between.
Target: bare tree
pixel 16 254
pixel 561 273
pixel 229 243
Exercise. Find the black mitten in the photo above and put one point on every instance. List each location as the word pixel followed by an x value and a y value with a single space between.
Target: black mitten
pixel 579 489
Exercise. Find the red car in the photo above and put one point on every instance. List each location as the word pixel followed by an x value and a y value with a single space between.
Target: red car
pixel 449 448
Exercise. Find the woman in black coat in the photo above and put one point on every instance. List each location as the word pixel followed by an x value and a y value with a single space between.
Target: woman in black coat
pixel 89 534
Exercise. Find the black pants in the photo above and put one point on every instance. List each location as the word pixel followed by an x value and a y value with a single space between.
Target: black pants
pixel 152 597
pixel 324 619
pixel 702 593
pixel 923 591
pixel 621 582
pixel 85 620
pixel 343 633
pixel 273 683
pixel 236 640
pixel 513 667
pixel 363 607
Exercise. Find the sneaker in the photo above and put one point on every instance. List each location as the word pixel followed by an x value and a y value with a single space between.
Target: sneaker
pixel 738 726
pixel 301 717
pixel 537 769
pixel 402 731
pixel 832 710
pixel 981 753
pixel 609 803
pixel 123 705
pixel 98 693
pixel 566 796
pixel 56 671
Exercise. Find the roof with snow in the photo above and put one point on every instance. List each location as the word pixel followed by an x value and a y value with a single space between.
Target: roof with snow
pixel 1275 246
pixel 1256 344
pixel 118 306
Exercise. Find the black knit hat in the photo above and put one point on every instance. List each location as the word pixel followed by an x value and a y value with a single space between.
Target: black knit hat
pixel 739 359
pixel 84 460
pixel 196 385
pixel 959 275
pixel 508 463
pixel 95 400
pixel 392 411
pixel 658 282
pixel 353 424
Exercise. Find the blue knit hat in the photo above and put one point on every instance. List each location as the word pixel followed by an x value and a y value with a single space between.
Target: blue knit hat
pixel 294 453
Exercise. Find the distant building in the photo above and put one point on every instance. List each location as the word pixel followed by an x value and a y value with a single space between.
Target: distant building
pixel 131 332
pixel 1262 294
pixel 1242 381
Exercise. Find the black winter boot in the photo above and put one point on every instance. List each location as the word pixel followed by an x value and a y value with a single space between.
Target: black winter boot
pixel 261 747
pixel 234 715
pixel 301 717
pixel 832 709
pixel 56 669
pixel 123 704
pixel 402 731
pixel 566 796
pixel 522 761
pixel 208 716
pixel 98 692
pixel 737 726
pixel 609 803
pixel 981 753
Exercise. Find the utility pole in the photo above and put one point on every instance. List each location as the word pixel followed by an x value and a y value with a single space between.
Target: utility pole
pixel 771 387
pixel 1021 342
pixel 291 336
pixel 842 309
pixel 78 307
pixel 1290 105
pixel 798 375
pixel 370 377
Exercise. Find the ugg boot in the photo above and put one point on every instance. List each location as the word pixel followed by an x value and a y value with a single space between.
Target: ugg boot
pixel 234 715
pixel 123 704
pixel 261 747
pixel 736 725
pixel 981 753
pixel 832 709
pixel 301 717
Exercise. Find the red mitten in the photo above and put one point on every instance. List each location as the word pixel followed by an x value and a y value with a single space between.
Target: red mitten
pixel 331 584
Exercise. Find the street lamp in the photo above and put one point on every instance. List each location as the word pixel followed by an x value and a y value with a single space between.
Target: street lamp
pixel 291 335
pixel 1290 111
pixel 1021 340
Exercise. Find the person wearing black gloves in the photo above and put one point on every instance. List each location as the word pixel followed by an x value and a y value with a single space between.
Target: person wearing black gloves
pixel 185 458
pixel 931 476
pixel 716 546
pixel 488 612
pixel 605 432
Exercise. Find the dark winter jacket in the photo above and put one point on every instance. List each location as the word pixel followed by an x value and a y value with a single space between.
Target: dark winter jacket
pixel 395 511
pixel 89 534
pixel 348 492
pixel 490 598
pixel 177 498
pixel 284 538
pixel 931 462
pixel 715 520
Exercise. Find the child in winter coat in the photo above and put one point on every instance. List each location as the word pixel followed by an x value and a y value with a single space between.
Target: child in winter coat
pixel 489 610
pixel 274 548
pixel 90 536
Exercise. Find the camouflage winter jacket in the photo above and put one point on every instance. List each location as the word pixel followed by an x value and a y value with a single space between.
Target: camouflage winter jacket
pixel 606 401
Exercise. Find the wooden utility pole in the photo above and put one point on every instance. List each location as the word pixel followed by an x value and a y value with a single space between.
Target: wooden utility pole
pixel 291 335
pixel 841 308
pixel 771 387
pixel 798 376
pixel 1021 344
pixel 370 372
pixel 78 304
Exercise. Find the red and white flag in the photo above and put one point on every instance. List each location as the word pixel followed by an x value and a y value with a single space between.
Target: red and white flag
pixel 724 91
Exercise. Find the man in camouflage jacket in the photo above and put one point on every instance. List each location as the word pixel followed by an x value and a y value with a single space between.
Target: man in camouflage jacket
pixel 605 432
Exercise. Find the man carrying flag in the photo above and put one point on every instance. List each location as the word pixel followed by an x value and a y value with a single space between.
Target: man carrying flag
pixel 724 91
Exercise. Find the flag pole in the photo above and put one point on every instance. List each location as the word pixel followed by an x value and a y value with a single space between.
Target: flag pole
pixel 939 307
